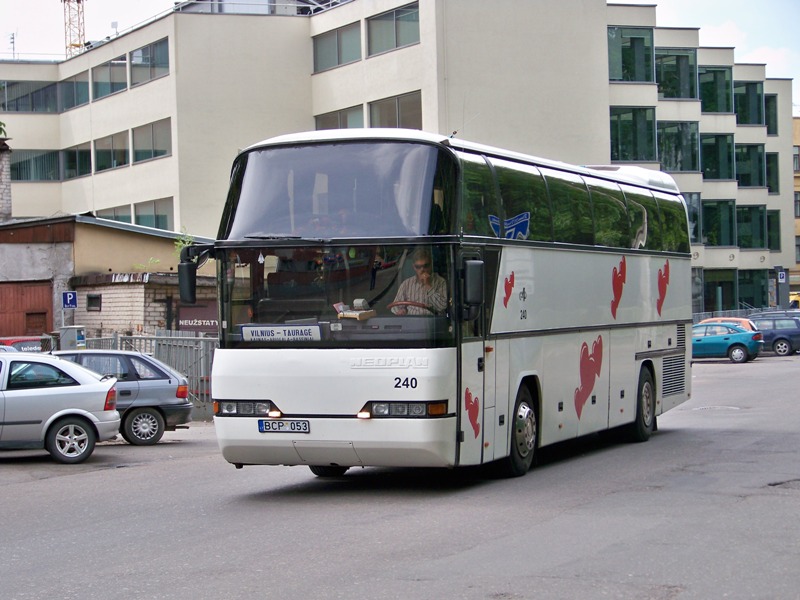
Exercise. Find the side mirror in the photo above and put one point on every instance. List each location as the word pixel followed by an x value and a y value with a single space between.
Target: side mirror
pixel 473 289
pixel 187 282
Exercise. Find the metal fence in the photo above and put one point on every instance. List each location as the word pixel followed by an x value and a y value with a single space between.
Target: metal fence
pixel 191 356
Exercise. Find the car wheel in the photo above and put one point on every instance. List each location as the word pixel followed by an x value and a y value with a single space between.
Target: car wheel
pixel 70 440
pixel 143 427
pixel 328 471
pixel 737 354
pixel 782 347
pixel 523 436
pixel 644 425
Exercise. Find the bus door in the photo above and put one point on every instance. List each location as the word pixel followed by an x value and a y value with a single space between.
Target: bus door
pixel 476 389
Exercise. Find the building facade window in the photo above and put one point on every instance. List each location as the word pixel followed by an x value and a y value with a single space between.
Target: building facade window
pixel 35 165
pixel 393 29
pixel 697 290
pixel 797 250
pixel 748 102
pixel 771 113
pixel 678 146
pixel 111 152
pixel 694 209
pixel 74 91
pixel 676 72
pixel 154 213
pixel 633 133
pixel 29 96
pixel 341 119
pixel 149 62
pixel 716 89
pixel 774 230
pixel 751 226
pixel 153 140
pixel 118 213
pixel 719 223
pixel 796 159
pixel 109 78
pixel 719 289
pixel 94 302
pixel 337 47
pixel 400 111
pixel 716 156
pixel 773 176
pixel 77 161
pixel 753 288
pixel 751 170
pixel 797 205
pixel 630 54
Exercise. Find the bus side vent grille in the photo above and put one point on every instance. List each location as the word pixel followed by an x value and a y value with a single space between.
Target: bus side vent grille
pixel 674 373
pixel 681 336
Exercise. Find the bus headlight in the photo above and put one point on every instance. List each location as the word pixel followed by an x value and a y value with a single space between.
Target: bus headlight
pixel 413 410
pixel 241 408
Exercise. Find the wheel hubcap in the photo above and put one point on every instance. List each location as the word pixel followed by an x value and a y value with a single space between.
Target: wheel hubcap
pixel 72 440
pixel 144 427
pixel 524 430
pixel 647 404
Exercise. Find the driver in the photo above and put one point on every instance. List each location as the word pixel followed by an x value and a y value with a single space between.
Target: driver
pixel 425 287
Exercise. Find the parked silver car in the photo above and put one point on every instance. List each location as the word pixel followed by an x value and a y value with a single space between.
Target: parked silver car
pixel 46 402
pixel 151 396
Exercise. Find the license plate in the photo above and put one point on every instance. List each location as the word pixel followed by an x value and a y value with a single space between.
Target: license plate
pixel 284 426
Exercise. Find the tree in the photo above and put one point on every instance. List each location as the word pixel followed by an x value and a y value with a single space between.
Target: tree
pixel 2 129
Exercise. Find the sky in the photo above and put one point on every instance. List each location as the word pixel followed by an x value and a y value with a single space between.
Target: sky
pixel 761 31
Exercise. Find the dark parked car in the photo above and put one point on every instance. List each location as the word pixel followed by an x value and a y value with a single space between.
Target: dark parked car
pixel 718 340
pixel 151 396
pixel 781 331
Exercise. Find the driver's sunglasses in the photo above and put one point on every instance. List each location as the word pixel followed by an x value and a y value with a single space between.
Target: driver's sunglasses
pixel 422 266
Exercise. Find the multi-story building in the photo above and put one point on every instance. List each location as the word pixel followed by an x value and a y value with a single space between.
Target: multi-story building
pixel 794 276
pixel 143 127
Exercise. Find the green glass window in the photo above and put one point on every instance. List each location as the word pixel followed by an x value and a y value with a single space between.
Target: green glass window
pixel 695 213
pixel 573 222
pixel 341 119
pixel 74 91
pixel 716 156
pixel 118 213
pixel 751 226
pixel 748 101
pixel 77 161
pixel 109 78
pixel 716 89
pixel 751 170
pixel 611 225
pixel 773 175
pixel 674 224
pixel 337 47
pixel 774 230
pixel 771 113
pixel 630 54
pixel 111 152
pixel 678 146
pixel 633 133
pixel 149 62
pixel 479 196
pixel 753 287
pixel 676 72
pixel 152 140
pixel 719 223
pixel 28 96
pixel 400 111
pixel 35 165
pixel 156 213
pixel 719 289
pixel 393 29
pixel 646 227
pixel 526 206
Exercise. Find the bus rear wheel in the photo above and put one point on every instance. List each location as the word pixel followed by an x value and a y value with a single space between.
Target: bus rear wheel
pixel 328 471
pixel 523 436
pixel 644 425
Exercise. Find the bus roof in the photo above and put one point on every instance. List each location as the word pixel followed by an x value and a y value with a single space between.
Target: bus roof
pixel 619 173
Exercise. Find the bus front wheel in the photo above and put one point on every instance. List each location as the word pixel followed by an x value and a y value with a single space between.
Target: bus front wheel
pixel 523 436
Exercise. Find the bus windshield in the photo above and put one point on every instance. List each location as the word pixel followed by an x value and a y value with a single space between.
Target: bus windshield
pixel 342 189
pixel 337 296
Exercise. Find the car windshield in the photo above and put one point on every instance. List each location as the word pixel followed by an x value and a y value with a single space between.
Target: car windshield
pixel 337 296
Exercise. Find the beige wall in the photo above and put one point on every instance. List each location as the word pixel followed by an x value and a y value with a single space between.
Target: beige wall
pixel 100 250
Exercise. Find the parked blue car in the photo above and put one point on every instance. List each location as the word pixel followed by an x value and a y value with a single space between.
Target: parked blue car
pixel 718 340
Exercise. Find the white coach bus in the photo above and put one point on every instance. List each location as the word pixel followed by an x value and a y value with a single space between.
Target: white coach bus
pixel 398 298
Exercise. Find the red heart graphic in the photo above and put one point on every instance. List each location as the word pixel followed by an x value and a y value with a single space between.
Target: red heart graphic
pixel 617 283
pixel 590 367
pixel 472 405
pixel 663 284
pixel 508 287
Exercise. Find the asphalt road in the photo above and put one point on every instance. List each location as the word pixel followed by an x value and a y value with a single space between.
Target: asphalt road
pixel 708 508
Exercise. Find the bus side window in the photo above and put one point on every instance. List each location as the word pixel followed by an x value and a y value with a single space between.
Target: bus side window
pixel 572 208
pixel 646 225
pixel 611 224
pixel 675 223
pixel 479 201
pixel 525 201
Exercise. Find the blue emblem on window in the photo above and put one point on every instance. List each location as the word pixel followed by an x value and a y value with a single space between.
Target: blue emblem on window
pixel 517 228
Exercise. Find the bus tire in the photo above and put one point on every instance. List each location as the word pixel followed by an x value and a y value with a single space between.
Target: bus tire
pixel 523 436
pixel 328 470
pixel 644 425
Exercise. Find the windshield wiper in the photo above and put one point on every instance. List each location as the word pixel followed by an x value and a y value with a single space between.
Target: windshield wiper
pixel 282 236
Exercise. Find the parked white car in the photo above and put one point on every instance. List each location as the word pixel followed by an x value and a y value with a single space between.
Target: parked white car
pixel 51 403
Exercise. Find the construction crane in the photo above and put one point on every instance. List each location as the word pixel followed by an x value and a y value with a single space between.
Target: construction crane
pixel 74 32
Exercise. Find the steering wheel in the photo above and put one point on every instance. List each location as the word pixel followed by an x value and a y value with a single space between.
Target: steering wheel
pixel 410 303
